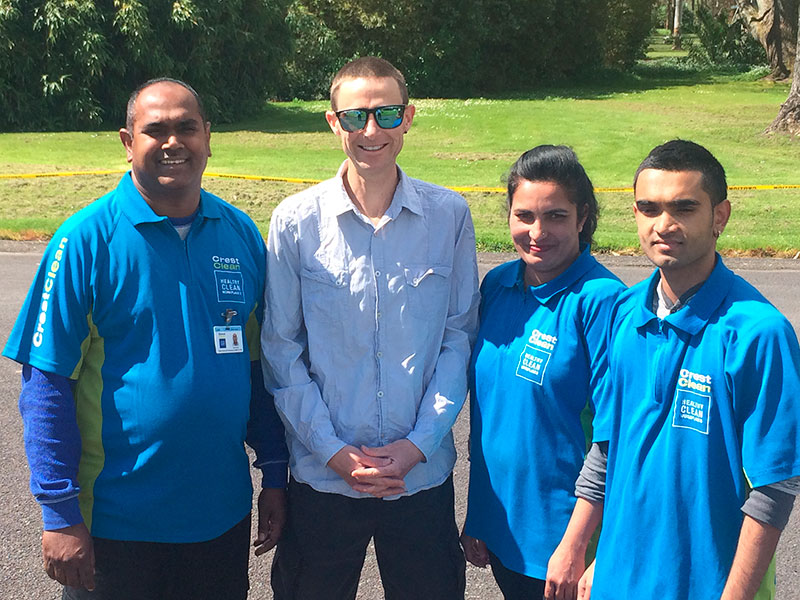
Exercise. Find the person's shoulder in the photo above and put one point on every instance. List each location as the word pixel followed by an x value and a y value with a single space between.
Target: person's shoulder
pixel 307 202
pixel 236 219
pixel 745 305
pixel 629 300
pixel 228 211
pixel 503 273
pixel 600 282
pixel 432 194
pixel 98 219
pixel 634 293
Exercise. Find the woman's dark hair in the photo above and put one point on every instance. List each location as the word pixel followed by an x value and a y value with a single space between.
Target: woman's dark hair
pixel 560 165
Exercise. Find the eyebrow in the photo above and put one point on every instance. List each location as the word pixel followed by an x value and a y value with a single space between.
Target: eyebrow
pixel 182 122
pixel 680 203
pixel 552 211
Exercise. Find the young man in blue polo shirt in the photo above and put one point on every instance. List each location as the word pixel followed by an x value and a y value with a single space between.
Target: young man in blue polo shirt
pixel 139 341
pixel 702 439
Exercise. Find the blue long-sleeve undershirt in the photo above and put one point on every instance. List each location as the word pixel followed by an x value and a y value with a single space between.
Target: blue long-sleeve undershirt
pixel 53 443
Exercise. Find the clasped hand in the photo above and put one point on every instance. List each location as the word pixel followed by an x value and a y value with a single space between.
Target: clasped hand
pixel 377 471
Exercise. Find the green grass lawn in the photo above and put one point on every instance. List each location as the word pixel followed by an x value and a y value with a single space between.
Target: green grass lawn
pixel 611 122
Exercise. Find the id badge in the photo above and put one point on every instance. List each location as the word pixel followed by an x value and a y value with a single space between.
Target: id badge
pixel 228 339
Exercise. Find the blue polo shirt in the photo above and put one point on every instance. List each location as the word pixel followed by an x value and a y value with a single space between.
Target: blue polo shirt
pixel 535 368
pixel 127 310
pixel 704 400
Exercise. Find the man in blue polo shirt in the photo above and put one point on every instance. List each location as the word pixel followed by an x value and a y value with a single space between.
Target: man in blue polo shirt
pixel 702 441
pixel 139 341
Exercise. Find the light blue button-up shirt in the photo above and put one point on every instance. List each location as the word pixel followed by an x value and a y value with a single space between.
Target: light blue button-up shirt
pixel 368 328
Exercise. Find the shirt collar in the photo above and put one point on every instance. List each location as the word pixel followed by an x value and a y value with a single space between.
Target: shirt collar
pixel 543 293
pixel 699 308
pixel 405 195
pixel 136 208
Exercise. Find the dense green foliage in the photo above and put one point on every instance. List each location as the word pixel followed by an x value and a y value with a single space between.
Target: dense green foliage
pixel 465 47
pixel 723 42
pixel 71 64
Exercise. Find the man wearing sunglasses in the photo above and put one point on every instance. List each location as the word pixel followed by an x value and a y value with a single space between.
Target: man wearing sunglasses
pixel 371 310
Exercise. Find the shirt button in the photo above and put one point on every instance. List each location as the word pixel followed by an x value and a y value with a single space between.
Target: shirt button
pixel 379 315
pixel 377 273
pixel 379 354
pixel 380 394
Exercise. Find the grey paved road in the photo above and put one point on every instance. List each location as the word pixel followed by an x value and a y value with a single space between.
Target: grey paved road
pixel 21 576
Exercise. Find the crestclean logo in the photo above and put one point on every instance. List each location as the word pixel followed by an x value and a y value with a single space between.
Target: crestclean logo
pixel 692 401
pixel 223 263
pixel 49 282
pixel 694 381
pixel 535 356
pixel 543 340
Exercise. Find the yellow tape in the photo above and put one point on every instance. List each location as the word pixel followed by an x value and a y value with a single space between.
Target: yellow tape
pixel 262 178
pixel 58 174
pixel 474 189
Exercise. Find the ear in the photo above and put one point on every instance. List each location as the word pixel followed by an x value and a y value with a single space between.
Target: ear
pixel 722 212
pixel 127 140
pixel 333 121
pixel 208 136
pixel 408 117
pixel 582 220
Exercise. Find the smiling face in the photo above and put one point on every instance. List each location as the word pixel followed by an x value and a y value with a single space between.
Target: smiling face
pixel 544 227
pixel 372 151
pixel 678 227
pixel 168 147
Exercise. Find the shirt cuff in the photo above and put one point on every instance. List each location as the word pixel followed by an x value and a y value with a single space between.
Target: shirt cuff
pixel 57 515
pixel 427 449
pixel 769 505
pixel 274 474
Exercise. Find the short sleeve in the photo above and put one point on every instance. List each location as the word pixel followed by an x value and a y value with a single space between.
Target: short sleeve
pixel 764 372
pixel 55 318
pixel 596 335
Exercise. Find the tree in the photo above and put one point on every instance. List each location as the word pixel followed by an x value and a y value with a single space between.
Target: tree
pixel 72 63
pixel 676 26
pixel 774 24
pixel 788 119
pixel 465 47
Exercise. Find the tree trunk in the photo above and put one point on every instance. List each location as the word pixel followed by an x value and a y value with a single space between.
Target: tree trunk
pixel 668 20
pixel 676 25
pixel 788 119
pixel 774 24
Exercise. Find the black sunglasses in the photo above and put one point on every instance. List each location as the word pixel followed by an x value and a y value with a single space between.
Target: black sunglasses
pixel 387 117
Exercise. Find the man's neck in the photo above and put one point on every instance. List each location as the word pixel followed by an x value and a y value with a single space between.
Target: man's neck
pixel 371 194
pixel 174 203
pixel 174 206
pixel 676 282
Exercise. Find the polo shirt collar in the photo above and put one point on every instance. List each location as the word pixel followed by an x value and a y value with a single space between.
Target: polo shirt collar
pixel 136 208
pixel 545 292
pixel 405 196
pixel 700 307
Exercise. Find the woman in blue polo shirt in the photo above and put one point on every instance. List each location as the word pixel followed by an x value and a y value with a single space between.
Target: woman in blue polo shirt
pixel 535 372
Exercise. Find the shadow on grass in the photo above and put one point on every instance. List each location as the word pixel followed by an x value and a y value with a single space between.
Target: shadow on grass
pixel 598 84
pixel 282 118
pixel 647 74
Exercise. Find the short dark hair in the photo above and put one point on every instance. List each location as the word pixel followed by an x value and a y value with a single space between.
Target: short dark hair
pixel 130 113
pixel 368 66
pixel 683 155
pixel 560 165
